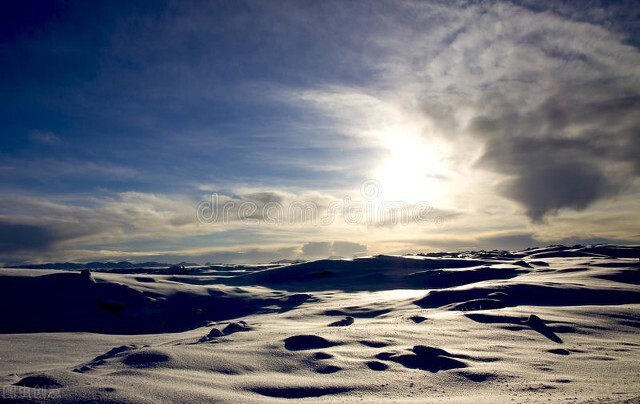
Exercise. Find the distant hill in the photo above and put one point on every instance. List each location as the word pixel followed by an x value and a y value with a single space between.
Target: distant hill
pixel 97 265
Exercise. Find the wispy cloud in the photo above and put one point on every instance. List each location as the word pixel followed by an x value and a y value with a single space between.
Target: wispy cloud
pixel 516 121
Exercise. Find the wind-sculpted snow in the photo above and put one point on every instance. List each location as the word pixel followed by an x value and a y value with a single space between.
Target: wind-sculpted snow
pixel 555 290
pixel 535 325
pixel 374 273
pixel 518 294
pixel 62 302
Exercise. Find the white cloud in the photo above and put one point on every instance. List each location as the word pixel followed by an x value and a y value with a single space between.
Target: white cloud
pixel 490 112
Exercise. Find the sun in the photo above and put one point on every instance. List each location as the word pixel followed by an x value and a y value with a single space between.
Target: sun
pixel 410 171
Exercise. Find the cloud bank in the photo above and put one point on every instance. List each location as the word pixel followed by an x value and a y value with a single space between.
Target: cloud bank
pixel 515 121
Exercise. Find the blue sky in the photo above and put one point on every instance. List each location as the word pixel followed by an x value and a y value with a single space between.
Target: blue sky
pixel 515 121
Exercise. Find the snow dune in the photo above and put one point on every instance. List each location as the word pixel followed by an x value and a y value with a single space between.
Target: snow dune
pixel 532 325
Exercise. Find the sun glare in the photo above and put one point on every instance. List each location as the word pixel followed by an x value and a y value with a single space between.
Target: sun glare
pixel 409 172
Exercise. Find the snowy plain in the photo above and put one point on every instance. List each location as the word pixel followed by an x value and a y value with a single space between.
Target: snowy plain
pixel 555 323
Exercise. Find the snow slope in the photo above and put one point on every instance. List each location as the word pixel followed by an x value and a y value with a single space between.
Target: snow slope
pixel 554 323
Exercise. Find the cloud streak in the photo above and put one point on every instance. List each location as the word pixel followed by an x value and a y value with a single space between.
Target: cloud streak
pixel 551 101
pixel 508 118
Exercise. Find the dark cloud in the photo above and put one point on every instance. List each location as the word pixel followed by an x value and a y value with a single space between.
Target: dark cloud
pixel 547 188
pixel 264 207
pixel 264 198
pixel 347 248
pixel 322 249
pixel 316 249
pixel 568 152
pixel 517 241
pixel 23 238
pixel 31 240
